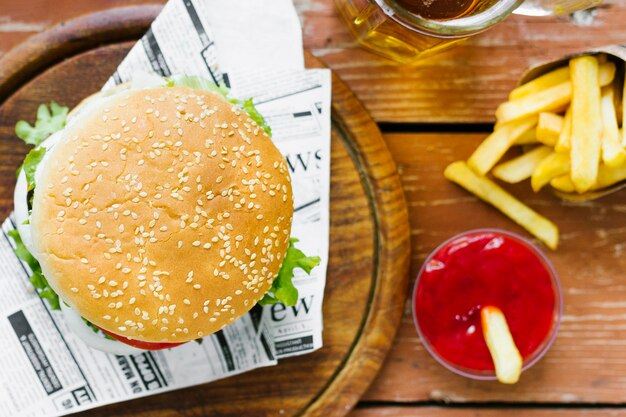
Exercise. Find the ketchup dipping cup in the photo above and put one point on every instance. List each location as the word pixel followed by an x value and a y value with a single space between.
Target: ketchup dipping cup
pixel 479 268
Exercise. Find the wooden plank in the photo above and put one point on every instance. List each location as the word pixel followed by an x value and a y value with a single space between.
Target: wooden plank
pixel 414 411
pixel 463 85
pixel 587 363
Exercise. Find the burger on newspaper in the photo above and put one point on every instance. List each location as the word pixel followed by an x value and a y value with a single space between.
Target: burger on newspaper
pixel 155 213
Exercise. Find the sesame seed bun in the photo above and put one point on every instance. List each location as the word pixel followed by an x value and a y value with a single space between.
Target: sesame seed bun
pixel 163 214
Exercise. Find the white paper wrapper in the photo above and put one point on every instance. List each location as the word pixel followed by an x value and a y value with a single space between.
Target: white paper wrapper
pixel 255 48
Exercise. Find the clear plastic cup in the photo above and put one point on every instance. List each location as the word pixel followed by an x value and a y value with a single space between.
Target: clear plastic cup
pixel 539 352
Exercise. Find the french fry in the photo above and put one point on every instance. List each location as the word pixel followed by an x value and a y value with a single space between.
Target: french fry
pixel 613 153
pixel 563 183
pixel 549 128
pixel 557 111
pixel 548 80
pixel 552 98
pixel 586 122
pixel 495 145
pixel 528 138
pixel 485 189
pixel 607 176
pixel 618 92
pixel 562 144
pixel 522 167
pixel 545 100
pixel 506 357
pixel 558 76
pixel 552 166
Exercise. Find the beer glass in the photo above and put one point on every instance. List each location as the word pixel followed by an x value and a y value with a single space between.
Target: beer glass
pixel 408 30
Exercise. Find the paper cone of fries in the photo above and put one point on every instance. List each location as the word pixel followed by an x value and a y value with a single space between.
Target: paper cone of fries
pixel 566 117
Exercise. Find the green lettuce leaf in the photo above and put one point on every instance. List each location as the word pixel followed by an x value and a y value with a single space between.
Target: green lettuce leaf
pixel 48 121
pixel 30 164
pixel 37 279
pixel 96 329
pixel 282 289
pixel 32 160
pixel 254 114
pixel 197 83
pixel 22 252
pixel 52 297
pixel 200 83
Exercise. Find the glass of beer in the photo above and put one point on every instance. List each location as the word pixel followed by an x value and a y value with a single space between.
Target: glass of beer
pixel 408 30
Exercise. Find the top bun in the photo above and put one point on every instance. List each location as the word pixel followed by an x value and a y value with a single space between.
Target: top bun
pixel 163 214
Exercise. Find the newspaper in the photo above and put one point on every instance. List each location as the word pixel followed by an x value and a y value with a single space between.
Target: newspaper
pixel 254 48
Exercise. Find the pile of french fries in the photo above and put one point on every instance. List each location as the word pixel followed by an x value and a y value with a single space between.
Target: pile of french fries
pixel 567 123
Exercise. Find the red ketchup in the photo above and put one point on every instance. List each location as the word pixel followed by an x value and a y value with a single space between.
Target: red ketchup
pixel 477 269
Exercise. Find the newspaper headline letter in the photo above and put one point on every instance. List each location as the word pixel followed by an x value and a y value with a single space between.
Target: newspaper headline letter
pixel 49 371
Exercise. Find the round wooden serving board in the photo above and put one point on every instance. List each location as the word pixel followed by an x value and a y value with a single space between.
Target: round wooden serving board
pixel 369 233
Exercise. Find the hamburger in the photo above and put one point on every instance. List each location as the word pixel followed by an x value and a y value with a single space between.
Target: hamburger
pixel 156 213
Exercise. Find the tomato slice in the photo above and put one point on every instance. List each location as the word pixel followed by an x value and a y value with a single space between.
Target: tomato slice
pixel 140 344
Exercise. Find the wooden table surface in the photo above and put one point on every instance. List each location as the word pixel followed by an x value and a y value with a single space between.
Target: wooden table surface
pixel 433 113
